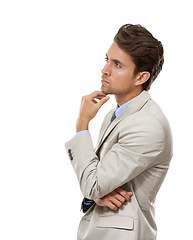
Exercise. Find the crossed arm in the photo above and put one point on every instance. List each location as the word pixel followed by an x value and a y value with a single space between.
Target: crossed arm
pixel 115 199
pixel 88 109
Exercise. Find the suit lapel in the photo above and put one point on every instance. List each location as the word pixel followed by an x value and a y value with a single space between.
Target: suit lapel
pixel 104 127
pixel 133 107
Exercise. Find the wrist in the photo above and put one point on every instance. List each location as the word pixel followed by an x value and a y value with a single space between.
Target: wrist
pixel 81 125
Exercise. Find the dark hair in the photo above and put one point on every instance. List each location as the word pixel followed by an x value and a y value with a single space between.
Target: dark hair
pixel 145 50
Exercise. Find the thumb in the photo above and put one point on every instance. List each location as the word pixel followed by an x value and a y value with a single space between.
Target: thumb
pixel 102 101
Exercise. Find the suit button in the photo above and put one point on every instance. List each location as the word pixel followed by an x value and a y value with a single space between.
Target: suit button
pixel 70 154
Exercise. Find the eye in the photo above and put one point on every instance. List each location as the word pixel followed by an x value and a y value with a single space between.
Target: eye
pixel 117 65
pixel 106 59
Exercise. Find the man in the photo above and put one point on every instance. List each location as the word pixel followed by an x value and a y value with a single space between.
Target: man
pixel 121 177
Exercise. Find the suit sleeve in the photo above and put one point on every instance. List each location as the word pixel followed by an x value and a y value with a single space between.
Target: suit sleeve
pixel 135 151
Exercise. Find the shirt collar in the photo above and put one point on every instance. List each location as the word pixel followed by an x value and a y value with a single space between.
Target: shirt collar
pixel 119 110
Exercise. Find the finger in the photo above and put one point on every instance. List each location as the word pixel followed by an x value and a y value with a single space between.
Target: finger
pixel 122 192
pixel 116 202
pixel 125 194
pixel 130 194
pixel 99 97
pixel 96 94
pixel 120 198
pixel 102 101
pixel 94 101
pixel 111 205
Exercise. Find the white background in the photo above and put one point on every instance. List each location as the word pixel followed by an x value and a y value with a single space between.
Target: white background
pixel 51 54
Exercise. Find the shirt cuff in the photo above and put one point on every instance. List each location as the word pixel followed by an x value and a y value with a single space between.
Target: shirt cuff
pixel 81 132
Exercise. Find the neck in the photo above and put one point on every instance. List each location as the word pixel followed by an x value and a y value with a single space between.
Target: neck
pixel 123 98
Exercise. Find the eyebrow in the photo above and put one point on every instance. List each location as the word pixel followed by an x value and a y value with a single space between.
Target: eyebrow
pixel 115 60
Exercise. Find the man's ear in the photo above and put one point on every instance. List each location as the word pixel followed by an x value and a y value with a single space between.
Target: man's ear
pixel 142 77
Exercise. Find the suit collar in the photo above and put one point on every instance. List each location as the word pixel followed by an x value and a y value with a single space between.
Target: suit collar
pixel 119 110
pixel 137 103
pixel 133 107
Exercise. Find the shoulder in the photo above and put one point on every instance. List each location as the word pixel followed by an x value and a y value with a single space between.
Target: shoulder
pixel 150 116
pixel 154 116
pixel 148 123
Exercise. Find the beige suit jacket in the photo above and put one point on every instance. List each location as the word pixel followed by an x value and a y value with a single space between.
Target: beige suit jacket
pixel 133 153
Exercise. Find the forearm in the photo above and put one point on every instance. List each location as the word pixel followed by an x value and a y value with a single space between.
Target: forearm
pixel 98 178
pixel 85 162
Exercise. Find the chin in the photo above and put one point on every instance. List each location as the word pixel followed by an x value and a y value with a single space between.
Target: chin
pixel 105 91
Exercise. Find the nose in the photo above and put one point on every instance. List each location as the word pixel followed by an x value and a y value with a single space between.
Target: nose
pixel 106 70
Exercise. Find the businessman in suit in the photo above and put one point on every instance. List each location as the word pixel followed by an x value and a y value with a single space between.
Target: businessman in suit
pixel 120 178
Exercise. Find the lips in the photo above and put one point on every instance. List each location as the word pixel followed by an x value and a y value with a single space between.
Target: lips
pixel 104 81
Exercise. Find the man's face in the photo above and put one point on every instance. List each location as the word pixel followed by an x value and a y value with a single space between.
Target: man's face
pixel 118 73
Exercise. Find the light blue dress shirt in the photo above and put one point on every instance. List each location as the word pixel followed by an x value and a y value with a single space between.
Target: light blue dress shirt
pixel 119 110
